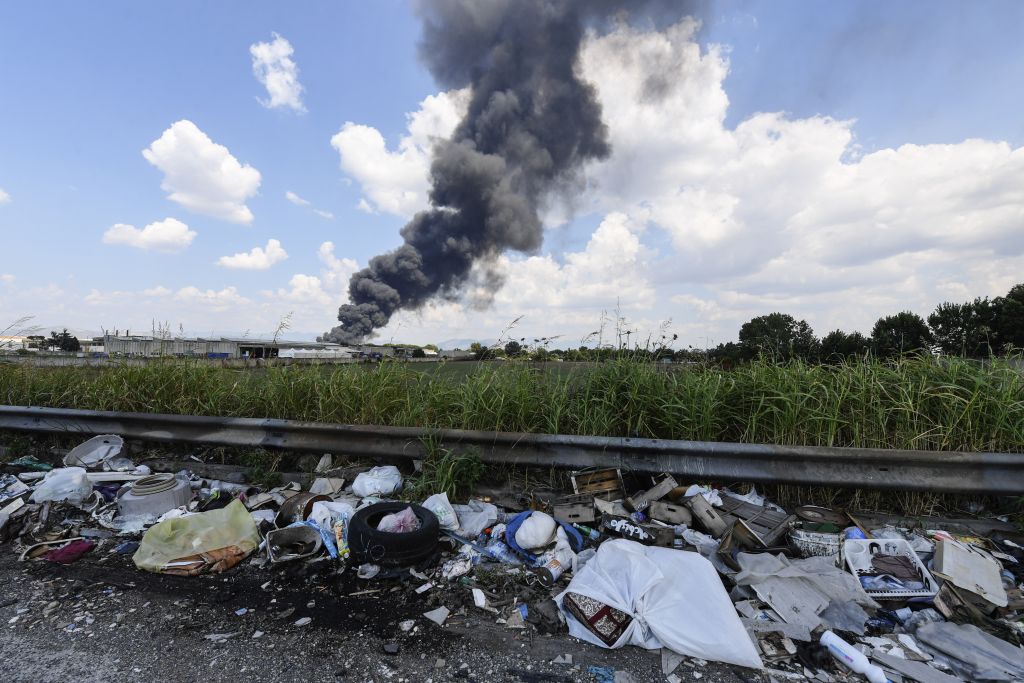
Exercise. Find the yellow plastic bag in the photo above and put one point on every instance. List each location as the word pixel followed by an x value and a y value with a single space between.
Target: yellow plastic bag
pixel 172 545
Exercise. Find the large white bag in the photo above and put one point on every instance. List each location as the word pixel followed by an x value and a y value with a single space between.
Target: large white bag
pixel 675 597
pixel 65 483
pixel 379 481
pixel 537 531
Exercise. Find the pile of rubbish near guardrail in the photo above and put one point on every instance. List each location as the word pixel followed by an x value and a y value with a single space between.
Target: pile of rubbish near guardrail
pixel 701 573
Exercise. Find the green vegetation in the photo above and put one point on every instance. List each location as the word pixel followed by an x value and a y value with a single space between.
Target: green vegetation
pixel 913 402
pixel 445 471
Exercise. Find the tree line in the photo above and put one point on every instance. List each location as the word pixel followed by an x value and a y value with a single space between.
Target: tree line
pixel 981 328
pixel 975 329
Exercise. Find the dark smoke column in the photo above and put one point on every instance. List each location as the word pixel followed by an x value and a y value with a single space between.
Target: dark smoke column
pixel 531 124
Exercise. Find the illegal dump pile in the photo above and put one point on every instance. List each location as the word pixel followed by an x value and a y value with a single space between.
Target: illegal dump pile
pixel 700 573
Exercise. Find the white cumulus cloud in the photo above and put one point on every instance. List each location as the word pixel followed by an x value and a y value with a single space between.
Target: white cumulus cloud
pixel 169 235
pixel 273 66
pixel 315 294
pixel 257 258
pixel 396 181
pixel 201 175
pixel 4 197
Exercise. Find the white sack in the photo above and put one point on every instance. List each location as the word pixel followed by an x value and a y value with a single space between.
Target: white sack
pixel 65 483
pixel 443 510
pixel 536 531
pixel 379 481
pixel 676 600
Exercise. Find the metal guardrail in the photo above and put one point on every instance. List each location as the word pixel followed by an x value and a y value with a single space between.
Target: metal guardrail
pixel 937 471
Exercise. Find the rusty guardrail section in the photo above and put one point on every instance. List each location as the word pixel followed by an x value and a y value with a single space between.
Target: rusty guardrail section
pixel 938 471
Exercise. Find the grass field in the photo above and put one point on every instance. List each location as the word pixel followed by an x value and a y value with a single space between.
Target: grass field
pixel 918 403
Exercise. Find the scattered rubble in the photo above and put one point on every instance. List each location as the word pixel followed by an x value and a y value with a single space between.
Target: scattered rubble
pixel 698 573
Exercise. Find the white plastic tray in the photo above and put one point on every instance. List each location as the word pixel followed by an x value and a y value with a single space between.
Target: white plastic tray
pixel 857 553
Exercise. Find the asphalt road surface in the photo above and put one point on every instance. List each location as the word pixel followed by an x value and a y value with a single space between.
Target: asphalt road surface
pixel 101 619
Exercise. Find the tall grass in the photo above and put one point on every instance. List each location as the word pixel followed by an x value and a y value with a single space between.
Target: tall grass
pixel 917 403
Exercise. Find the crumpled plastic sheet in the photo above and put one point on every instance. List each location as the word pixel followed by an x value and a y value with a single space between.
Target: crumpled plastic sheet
pixel 707 546
pixel 475 517
pixel 809 592
pixel 710 495
pixel 971 652
pixel 754 498
pixel 228 529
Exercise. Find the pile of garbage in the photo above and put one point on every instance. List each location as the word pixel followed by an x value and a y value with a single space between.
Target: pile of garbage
pixel 695 571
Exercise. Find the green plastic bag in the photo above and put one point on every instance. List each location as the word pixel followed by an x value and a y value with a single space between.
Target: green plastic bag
pixel 179 545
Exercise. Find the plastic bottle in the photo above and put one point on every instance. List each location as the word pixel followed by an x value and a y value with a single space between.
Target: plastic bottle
pixel 592 534
pixel 498 550
pixel 852 658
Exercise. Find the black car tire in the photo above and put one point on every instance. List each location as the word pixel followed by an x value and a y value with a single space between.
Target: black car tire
pixel 367 544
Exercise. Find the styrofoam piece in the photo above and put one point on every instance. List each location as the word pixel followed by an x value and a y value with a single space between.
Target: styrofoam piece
pixel 857 553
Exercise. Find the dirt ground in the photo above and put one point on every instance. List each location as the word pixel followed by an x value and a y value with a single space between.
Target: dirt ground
pixel 101 619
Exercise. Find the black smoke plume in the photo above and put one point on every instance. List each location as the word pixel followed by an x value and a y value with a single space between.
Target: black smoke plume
pixel 531 124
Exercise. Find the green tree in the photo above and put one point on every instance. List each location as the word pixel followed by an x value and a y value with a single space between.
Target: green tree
pixel 838 345
pixel 727 355
pixel 904 332
pixel 513 349
pixel 418 353
pixel 1010 318
pixel 64 342
pixel 778 336
pixel 479 351
pixel 540 354
pixel 967 329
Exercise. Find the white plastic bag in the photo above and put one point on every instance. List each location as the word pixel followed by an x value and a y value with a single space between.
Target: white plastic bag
pixel 399 522
pixel 676 598
pixel 536 531
pixel 439 505
pixel 65 483
pixel 475 517
pixel 379 481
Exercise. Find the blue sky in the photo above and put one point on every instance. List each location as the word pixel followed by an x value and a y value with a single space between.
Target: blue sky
pixel 87 87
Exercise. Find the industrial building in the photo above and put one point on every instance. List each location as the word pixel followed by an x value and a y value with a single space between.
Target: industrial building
pixel 222 347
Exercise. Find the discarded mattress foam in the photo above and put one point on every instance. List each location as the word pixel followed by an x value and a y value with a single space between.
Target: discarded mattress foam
pixel 676 600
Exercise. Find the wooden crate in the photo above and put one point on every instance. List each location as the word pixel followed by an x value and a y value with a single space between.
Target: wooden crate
pixel 670 513
pixel 760 527
pixel 605 484
pixel 577 509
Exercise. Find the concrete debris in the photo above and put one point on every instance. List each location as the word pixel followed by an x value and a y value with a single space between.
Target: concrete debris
pixel 438 616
